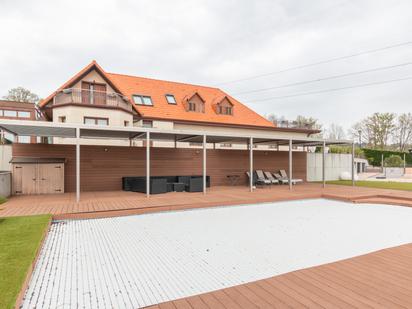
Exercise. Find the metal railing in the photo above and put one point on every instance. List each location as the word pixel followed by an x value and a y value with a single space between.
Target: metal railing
pixel 293 124
pixel 91 97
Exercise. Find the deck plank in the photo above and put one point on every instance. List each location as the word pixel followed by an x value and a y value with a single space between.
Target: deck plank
pixel 334 285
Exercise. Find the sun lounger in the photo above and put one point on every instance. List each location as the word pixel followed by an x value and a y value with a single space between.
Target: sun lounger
pixel 281 180
pixel 270 177
pixel 261 177
pixel 256 181
pixel 285 175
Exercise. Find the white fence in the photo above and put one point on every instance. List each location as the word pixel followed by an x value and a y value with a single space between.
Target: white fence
pixel 5 157
pixel 335 164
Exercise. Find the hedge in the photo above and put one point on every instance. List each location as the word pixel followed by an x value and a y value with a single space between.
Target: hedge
pixel 374 156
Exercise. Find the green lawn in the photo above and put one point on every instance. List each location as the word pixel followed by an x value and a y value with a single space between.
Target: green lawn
pixel 375 184
pixel 19 239
pixel 2 199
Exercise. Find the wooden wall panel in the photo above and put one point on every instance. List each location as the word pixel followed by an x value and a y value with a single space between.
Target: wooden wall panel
pixel 102 167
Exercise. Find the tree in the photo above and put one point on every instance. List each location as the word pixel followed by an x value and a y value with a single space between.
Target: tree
pixel 376 129
pixel 20 94
pixel 393 161
pixel 403 131
pixel 335 132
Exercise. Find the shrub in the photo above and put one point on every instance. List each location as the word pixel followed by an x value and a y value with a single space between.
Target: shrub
pixel 393 161
pixel 374 156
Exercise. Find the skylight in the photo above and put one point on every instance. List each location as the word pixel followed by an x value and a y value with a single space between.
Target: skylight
pixel 142 100
pixel 170 99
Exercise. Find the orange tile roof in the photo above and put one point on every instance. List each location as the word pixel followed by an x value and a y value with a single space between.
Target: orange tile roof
pixel 157 89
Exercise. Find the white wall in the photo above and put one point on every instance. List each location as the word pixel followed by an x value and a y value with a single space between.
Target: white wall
pixel 5 157
pixel 335 164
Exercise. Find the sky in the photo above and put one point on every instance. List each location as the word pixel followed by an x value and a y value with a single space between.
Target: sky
pixel 215 42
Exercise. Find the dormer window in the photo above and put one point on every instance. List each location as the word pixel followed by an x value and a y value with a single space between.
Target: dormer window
pixel 142 100
pixel 170 98
pixel 195 103
pixel 224 107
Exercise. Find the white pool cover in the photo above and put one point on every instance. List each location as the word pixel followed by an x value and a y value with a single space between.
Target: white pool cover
pixel 136 261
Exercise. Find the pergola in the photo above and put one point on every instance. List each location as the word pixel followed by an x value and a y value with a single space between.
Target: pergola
pixel 79 131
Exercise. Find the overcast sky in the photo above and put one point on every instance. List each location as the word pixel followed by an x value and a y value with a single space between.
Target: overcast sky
pixel 211 42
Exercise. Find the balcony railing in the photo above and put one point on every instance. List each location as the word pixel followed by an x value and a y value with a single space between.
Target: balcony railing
pixel 91 97
pixel 294 124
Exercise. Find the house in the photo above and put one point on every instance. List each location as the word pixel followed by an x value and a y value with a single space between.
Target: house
pixel 20 111
pixel 96 97
pixel 105 126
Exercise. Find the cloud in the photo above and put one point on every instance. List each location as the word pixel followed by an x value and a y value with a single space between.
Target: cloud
pixel 209 42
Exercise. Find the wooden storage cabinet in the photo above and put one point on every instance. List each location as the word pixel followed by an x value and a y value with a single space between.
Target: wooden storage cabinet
pixel 38 177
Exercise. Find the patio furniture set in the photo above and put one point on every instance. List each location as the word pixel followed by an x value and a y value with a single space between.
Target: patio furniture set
pixel 268 178
pixel 163 184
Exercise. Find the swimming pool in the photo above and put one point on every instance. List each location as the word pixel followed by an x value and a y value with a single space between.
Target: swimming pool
pixel 136 261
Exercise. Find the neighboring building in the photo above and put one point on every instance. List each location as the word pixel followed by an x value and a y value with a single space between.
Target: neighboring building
pixel 20 111
pixel 96 97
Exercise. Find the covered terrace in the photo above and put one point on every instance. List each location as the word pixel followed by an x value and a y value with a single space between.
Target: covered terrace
pixel 204 138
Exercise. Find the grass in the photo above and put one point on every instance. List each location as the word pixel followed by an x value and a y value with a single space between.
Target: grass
pixel 375 184
pixel 2 199
pixel 20 238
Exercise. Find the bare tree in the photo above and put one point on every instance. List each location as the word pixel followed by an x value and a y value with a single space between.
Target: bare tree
pixel 403 131
pixel 20 94
pixel 376 130
pixel 335 132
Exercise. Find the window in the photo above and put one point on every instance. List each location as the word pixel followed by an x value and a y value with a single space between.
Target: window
pixel 226 145
pixel 170 99
pixel 225 110
pixel 96 121
pixel 62 119
pixel 192 107
pixel 197 144
pixel 1 112
pixel 126 123
pixel 23 139
pixel 10 113
pixel 147 124
pixel 142 100
pixel 23 114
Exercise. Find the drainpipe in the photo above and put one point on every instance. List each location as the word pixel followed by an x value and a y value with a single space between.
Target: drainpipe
pixel 251 163
pixel 148 164
pixel 290 164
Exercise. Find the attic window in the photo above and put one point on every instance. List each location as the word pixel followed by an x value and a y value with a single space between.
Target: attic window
pixel 170 99
pixel 224 107
pixel 225 110
pixel 142 100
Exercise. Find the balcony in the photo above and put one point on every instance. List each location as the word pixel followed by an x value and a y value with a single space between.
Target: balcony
pixel 292 124
pixel 91 98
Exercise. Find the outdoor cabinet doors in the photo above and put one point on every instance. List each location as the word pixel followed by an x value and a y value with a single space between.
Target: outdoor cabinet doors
pixel 45 178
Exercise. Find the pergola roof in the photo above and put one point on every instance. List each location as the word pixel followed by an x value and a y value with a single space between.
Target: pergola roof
pixel 51 129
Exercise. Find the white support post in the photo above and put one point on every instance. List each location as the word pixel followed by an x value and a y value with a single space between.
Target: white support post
pixel 148 164
pixel 251 163
pixel 204 164
pixel 290 165
pixel 353 164
pixel 323 165
pixel 77 165
pixel 404 163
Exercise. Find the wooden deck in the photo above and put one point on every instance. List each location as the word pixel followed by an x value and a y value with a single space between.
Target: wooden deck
pixel 115 203
pixel 381 279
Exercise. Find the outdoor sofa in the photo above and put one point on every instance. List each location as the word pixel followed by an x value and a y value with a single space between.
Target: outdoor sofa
pixel 163 184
